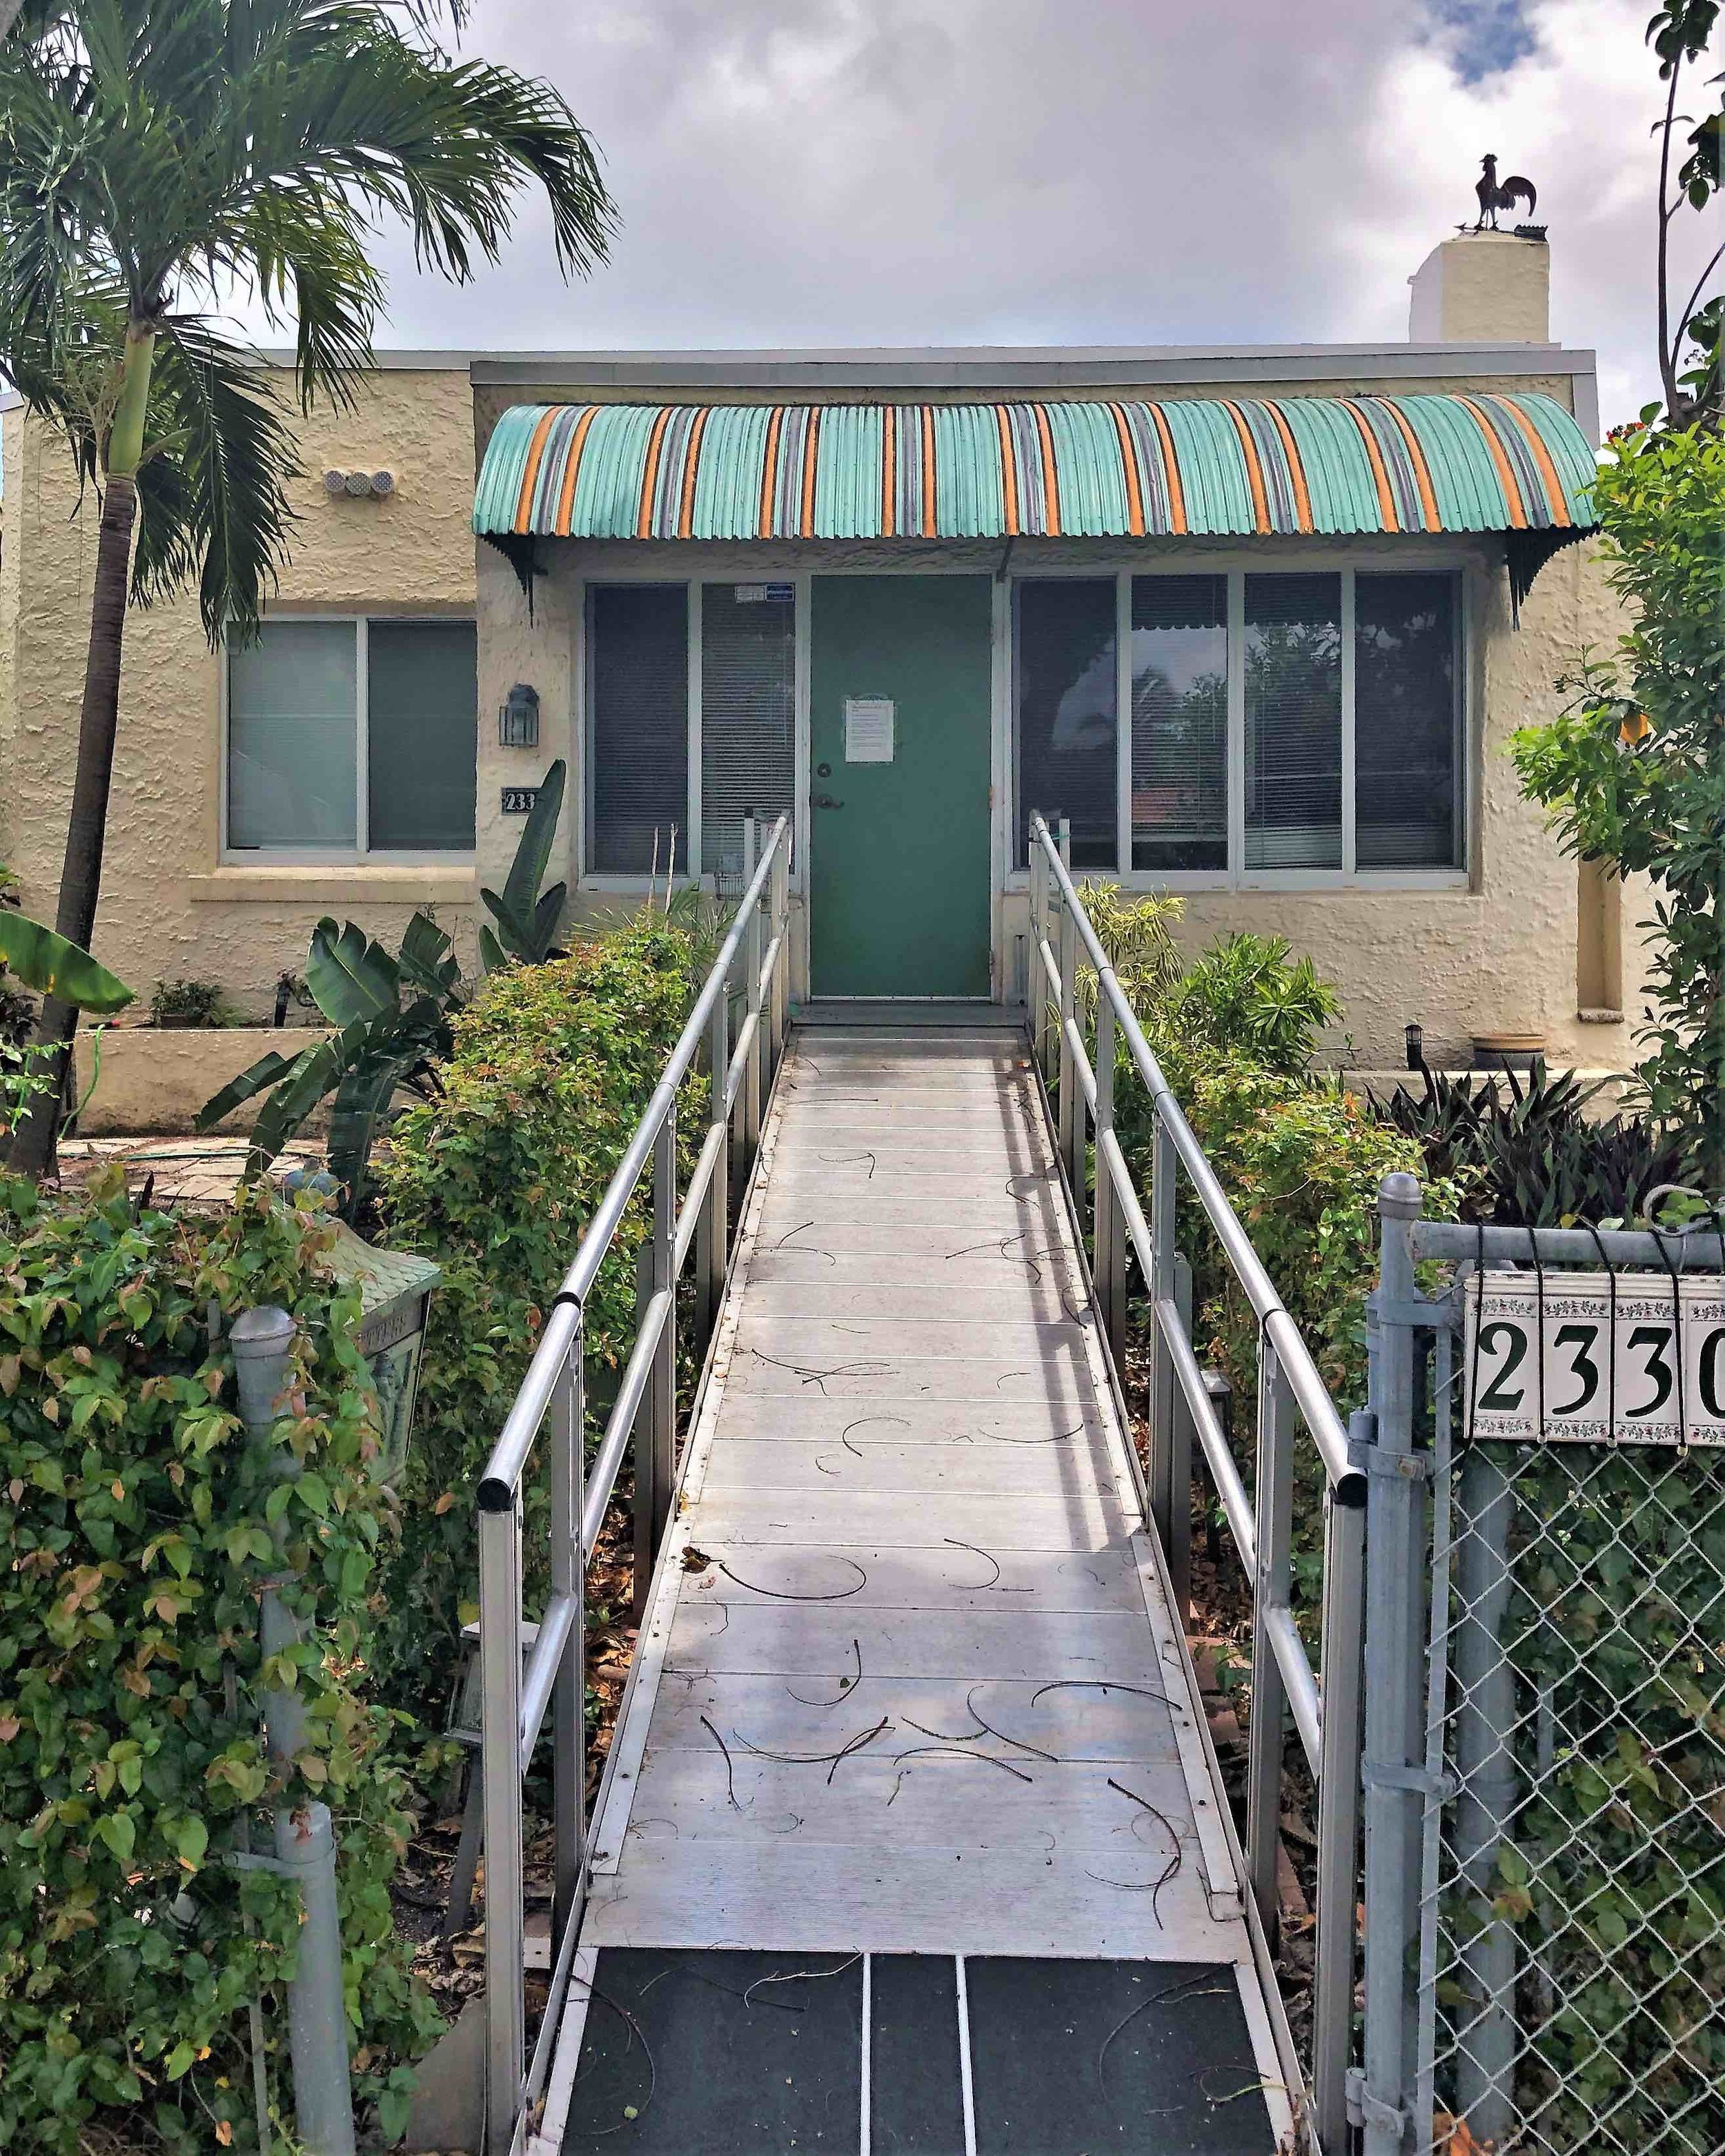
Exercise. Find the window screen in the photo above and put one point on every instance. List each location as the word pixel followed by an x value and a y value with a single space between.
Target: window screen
pixel 1293 722
pixel 1179 722
pixel 639 678
pixel 1066 700
pixel 292 735
pixel 1406 725
pixel 748 706
pixel 422 704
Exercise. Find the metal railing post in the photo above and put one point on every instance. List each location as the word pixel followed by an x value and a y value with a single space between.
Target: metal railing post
pixel 1338 1810
pixel 655 1441
pixel 1394 1758
pixel 1036 984
pixel 1162 1387
pixel 779 925
pixel 262 1342
pixel 1271 1592
pixel 753 954
pixel 500 1554
pixel 712 1233
pixel 1108 1228
pixel 1071 1101
pixel 1179 1467
pixel 568 1698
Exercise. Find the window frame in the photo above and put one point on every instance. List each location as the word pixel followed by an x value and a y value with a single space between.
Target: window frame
pixel 634 881
pixel 1233 567
pixel 362 854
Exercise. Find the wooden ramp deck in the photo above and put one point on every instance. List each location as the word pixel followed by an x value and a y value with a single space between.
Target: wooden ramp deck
pixel 910 1839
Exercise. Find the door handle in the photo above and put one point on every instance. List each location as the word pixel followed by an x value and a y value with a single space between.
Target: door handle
pixel 826 801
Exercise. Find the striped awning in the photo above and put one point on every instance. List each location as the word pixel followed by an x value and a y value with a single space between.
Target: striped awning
pixel 1094 470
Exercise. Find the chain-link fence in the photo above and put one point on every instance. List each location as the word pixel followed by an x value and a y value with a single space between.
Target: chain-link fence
pixel 1572 1982
pixel 1549 1974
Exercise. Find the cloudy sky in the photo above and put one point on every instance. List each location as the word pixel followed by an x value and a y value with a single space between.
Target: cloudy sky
pixel 980 172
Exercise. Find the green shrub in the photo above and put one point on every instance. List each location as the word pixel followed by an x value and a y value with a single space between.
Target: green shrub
pixel 1246 996
pixel 495 1178
pixel 134 1514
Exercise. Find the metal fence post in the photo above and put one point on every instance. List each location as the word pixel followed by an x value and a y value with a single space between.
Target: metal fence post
pixel 1162 1171
pixel 780 923
pixel 500 1554
pixel 712 1233
pixel 262 1341
pixel 1338 1807
pixel 1271 1592
pixel 1109 1229
pixel 1036 984
pixel 752 957
pixel 1485 1803
pixel 568 1698
pixel 655 1439
pixel 1391 1770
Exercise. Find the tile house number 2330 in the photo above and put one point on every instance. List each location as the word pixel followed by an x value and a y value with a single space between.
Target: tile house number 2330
pixel 1586 1360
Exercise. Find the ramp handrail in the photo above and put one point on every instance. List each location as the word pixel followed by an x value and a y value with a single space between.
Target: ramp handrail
pixel 1328 1715
pixel 516 1699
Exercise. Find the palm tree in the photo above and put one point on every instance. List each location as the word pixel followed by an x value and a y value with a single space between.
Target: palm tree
pixel 158 157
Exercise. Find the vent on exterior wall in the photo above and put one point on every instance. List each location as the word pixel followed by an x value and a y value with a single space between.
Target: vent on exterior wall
pixel 373 484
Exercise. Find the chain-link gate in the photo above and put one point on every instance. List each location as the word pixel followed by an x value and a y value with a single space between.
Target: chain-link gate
pixel 1545 1796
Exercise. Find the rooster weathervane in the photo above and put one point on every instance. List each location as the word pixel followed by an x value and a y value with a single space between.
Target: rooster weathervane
pixel 1494 195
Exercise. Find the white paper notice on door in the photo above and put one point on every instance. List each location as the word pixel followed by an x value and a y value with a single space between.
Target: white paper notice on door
pixel 868 729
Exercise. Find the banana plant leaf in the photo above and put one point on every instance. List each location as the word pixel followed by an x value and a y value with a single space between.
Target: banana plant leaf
pixel 263 1074
pixel 427 961
pixel 53 966
pixel 351 976
pixel 526 871
pixel 492 955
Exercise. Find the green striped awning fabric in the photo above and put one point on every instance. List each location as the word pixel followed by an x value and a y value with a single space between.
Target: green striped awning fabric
pixel 1103 469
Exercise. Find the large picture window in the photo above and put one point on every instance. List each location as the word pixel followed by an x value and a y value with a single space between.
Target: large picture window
pixel 352 737
pixel 1268 725
pixel 675 763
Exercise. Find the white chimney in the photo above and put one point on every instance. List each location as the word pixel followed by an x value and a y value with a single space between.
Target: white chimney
pixel 1482 288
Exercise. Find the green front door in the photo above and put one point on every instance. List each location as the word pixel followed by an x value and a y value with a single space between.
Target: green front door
pixel 898 854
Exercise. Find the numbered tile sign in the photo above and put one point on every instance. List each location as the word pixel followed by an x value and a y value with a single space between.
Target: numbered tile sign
pixel 1577 1364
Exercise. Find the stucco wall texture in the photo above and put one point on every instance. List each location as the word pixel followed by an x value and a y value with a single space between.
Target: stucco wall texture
pixel 1498 955
pixel 169 907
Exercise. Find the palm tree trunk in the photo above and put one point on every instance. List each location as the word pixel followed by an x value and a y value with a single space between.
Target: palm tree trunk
pixel 81 872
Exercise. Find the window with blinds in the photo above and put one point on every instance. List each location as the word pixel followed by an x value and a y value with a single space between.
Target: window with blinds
pixel 1179 722
pixel 1293 722
pixel 1064 712
pixel 353 736
pixel 421 705
pixel 1406 727
pixel 638 688
pixel 748 715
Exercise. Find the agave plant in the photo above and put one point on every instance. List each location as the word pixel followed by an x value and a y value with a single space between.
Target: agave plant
pixel 393 1015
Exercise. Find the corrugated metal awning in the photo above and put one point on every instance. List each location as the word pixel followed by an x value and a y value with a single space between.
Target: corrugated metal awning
pixel 1105 469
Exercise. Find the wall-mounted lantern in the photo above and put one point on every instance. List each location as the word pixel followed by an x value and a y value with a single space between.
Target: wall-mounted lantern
pixel 518 719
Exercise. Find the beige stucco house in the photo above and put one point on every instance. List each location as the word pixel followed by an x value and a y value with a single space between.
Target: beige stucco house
pixel 1247 617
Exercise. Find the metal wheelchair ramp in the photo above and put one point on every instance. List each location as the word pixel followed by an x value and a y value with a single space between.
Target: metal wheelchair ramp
pixel 910 1837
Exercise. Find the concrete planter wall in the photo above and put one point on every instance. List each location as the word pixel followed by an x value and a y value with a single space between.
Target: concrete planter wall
pixel 154 1080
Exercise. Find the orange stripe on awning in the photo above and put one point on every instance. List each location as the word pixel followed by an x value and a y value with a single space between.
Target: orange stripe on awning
pixel 1254 470
pixel 1296 471
pixel 1502 465
pixel 926 421
pixel 1171 466
pixel 1008 471
pixel 650 475
pixel 686 513
pixel 1374 458
pixel 572 468
pixel 530 477
pixel 888 468
pixel 769 471
pixel 811 442
pixel 1422 470
pixel 1129 465
pixel 1050 477
pixel 1542 457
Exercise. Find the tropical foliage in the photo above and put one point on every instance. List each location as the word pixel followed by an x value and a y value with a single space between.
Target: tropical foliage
pixel 157 155
pixel 135 1519
pixel 527 918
